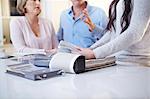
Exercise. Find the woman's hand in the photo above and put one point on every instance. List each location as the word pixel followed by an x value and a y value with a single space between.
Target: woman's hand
pixel 86 18
pixel 52 51
pixel 88 53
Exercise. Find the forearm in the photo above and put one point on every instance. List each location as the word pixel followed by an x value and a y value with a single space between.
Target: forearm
pixel 132 35
pixel 122 42
pixel 26 50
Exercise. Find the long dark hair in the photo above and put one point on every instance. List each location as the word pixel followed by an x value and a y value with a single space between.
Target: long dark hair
pixel 126 16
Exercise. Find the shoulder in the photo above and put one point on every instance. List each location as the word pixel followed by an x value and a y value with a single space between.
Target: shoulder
pixel 17 20
pixel 65 12
pixel 145 2
pixel 45 20
pixel 141 7
pixel 141 3
pixel 94 9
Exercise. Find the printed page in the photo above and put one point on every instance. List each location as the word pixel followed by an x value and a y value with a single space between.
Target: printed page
pixel 67 47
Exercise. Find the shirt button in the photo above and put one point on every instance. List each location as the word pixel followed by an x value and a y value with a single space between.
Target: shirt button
pixel 73 34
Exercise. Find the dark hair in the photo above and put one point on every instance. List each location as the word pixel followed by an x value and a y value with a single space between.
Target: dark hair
pixel 126 16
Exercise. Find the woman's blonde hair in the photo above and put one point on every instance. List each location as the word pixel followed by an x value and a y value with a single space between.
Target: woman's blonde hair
pixel 20 6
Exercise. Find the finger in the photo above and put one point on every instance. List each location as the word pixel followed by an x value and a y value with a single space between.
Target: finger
pixel 78 48
pixel 76 52
pixel 85 12
pixel 82 17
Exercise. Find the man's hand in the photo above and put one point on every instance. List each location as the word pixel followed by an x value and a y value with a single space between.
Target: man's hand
pixel 86 18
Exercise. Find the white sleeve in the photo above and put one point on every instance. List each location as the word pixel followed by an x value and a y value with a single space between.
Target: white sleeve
pixel 134 33
pixel 18 41
pixel 54 37
pixel 60 30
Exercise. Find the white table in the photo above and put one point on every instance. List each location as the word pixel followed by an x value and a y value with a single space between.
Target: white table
pixel 118 82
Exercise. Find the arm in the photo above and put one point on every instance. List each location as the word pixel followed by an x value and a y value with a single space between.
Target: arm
pixel 134 33
pixel 18 41
pixel 88 53
pixel 96 29
pixel 99 29
pixel 60 32
pixel 54 38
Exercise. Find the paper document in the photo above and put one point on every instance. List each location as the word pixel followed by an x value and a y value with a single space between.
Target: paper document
pixel 67 47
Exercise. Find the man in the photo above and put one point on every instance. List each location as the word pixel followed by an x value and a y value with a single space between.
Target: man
pixel 73 29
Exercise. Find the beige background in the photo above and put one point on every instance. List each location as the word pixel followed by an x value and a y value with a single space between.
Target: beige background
pixel 51 9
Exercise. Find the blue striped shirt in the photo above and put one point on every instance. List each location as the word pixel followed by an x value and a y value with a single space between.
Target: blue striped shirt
pixel 77 32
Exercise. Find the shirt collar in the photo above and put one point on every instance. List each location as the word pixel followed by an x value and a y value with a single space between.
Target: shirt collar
pixel 71 9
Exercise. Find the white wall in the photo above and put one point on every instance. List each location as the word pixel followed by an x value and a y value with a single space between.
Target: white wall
pixel 1 28
pixel 0 8
pixel 5 20
pixel 104 4
pixel 1 32
pixel 53 8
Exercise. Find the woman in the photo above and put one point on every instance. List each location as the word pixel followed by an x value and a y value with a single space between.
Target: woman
pixel 128 31
pixel 31 34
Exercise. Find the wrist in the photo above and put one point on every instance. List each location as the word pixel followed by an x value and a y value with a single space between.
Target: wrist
pixel 46 51
pixel 91 27
pixel 92 55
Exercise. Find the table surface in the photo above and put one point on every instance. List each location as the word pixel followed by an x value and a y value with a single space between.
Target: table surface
pixel 123 81
pixel 117 82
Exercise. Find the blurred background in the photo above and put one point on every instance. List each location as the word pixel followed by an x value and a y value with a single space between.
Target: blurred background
pixel 51 9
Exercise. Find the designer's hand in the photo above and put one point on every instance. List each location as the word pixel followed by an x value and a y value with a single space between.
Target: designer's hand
pixel 52 51
pixel 88 53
